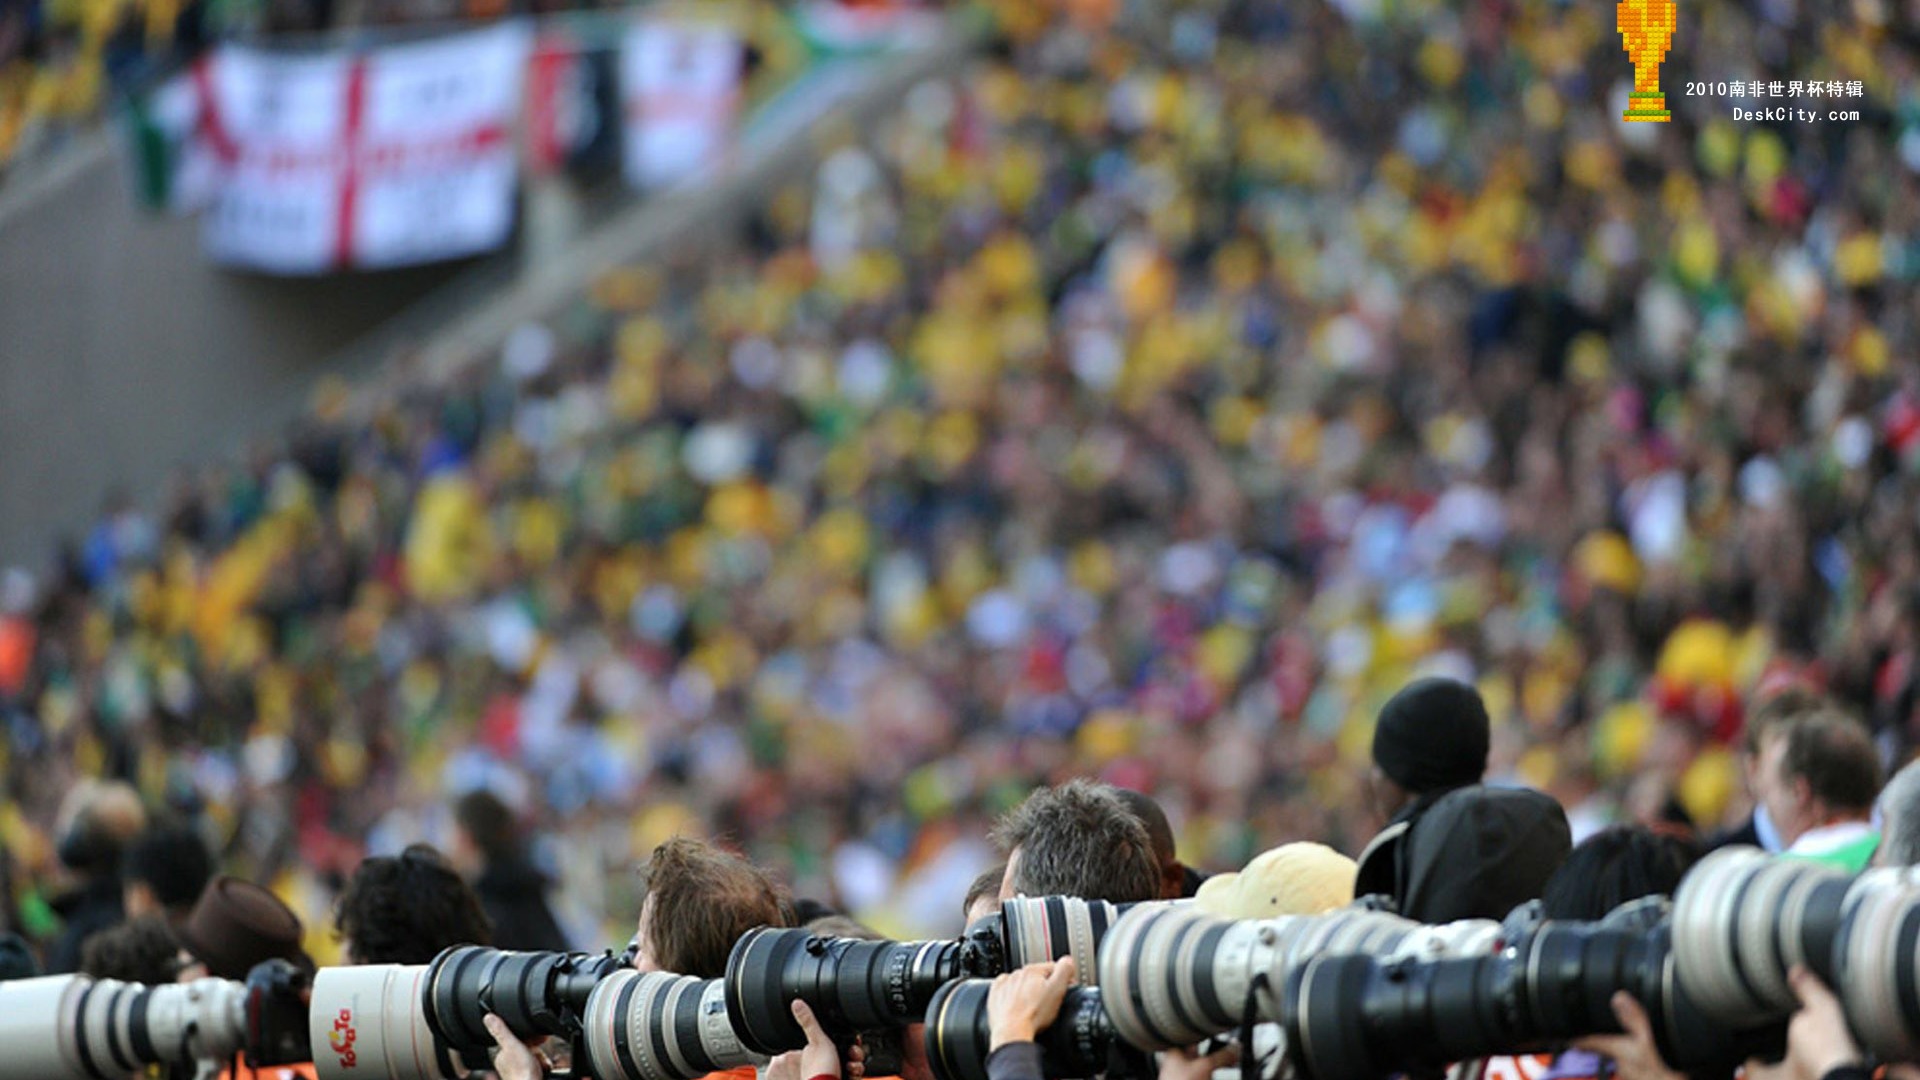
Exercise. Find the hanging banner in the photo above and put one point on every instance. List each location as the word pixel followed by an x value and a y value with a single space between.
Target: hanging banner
pixel 682 91
pixel 393 157
pixel 573 107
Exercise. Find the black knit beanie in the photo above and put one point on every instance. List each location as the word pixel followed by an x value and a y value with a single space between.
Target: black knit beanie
pixel 1432 736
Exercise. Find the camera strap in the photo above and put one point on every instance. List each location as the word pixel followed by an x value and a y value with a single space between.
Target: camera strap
pixel 1248 1015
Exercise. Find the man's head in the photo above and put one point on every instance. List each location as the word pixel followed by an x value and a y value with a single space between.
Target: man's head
pixel 701 899
pixel 1900 819
pixel 1771 714
pixel 101 818
pixel 165 870
pixel 983 896
pixel 1078 839
pixel 1173 876
pixel 406 908
pixel 487 829
pixel 140 950
pixel 1432 736
pixel 1820 768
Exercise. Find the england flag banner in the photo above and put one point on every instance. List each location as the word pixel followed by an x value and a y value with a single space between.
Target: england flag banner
pixel 682 90
pixel 393 157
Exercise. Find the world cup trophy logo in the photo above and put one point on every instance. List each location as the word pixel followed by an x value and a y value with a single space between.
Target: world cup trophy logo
pixel 1646 28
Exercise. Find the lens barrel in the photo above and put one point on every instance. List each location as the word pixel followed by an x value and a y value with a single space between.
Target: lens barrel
pixel 71 1026
pixel 959 1038
pixel 655 1026
pixel 536 993
pixel 851 985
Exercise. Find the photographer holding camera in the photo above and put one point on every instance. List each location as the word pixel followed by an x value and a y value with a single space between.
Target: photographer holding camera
pixel 699 900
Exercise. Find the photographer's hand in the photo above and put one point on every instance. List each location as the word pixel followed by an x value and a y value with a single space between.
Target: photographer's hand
pixel 1634 1054
pixel 514 1060
pixel 1024 1001
pixel 820 1057
pixel 1183 1064
pixel 1818 1039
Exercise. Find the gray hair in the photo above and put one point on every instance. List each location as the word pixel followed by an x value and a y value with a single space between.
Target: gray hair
pixel 1900 819
pixel 1080 839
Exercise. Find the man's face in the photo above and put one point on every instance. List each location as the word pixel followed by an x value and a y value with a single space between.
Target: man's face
pixel 643 960
pixel 1783 797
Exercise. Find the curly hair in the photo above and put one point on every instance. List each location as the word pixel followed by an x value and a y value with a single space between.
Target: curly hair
pixel 142 950
pixel 405 909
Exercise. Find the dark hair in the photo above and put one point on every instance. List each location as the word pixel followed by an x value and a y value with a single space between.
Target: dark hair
pixel 1159 832
pixel 143 950
pixel 489 822
pixel 1613 866
pixel 1835 755
pixel 1775 710
pixel 987 884
pixel 1080 839
pixel 704 898
pixel 405 909
pixel 172 860
pixel 843 926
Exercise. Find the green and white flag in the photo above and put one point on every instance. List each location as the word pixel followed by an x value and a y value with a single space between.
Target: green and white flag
pixel 176 164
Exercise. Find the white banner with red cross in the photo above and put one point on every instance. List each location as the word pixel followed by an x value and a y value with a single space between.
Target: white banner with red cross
pixel 392 157
pixel 681 82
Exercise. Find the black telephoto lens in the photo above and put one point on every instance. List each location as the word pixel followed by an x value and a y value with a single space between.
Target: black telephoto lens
pixel 851 986
pixel 535 993
pixel 1079 1043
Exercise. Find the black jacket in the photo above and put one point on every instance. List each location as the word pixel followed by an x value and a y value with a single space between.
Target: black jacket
pixel 1470 853
pixel 514 895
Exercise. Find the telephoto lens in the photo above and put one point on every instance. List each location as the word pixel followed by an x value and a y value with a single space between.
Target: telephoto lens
pixel 1877 962
pixel 1081 1041
pixel 1349 1017
pixel 408 1022
pixel 1174 976
pixel 852 986
pixel 1039 929
pixel 655 1026
pixel 1742 919
pixel 535 993
pixel 70 1026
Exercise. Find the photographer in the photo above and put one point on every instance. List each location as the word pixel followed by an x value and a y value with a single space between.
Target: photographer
pixel 406 909
pixel 1078 839
pixel 699 900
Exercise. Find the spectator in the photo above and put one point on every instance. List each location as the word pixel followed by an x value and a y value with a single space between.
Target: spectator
pixel 1077 839
pixel 1762 724
pixel 511 890
pixel 102 820
pixel 236 925
pixel 165 870
pixel 142 949
pixel 1177 880
pixel 1818 780
pixel 407 909
pixel 1899 806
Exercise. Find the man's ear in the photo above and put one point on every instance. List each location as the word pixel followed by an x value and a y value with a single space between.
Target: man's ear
pixel 1173 880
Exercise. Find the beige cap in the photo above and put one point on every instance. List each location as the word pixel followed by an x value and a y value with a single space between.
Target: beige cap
pixel 1292 879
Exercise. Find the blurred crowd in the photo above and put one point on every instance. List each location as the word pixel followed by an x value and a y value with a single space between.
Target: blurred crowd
pixel 1149 402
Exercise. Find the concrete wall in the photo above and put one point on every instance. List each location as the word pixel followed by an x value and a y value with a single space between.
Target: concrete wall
pixel 123 352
